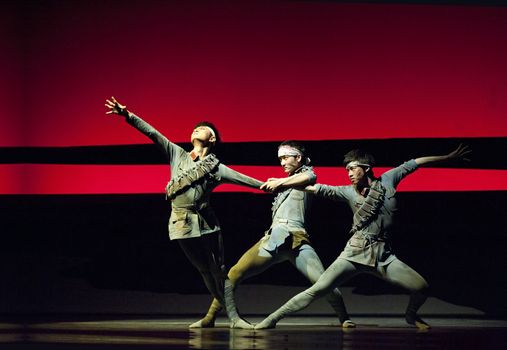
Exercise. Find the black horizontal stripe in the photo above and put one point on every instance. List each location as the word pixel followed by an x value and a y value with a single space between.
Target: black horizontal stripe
pixel 487 153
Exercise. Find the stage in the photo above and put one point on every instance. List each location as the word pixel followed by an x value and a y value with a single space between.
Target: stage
pixel 307 332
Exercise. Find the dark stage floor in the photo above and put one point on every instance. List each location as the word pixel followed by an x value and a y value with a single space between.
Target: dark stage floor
pixel 308 332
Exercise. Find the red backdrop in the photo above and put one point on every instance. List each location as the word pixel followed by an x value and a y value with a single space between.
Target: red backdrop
pixel 261 70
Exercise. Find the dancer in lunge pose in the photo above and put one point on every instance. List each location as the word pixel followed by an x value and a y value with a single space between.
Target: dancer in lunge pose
pixel 287 238
pixel 192 222
pixel 373 202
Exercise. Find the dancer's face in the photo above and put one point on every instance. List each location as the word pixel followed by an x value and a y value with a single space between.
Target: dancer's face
pixel 202 134
pixel 290 163
pixel 357 174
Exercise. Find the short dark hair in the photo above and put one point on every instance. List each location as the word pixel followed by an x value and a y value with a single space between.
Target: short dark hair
pixel 213 127
pixel 359 155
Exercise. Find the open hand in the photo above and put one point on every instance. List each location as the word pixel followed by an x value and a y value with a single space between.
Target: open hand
pixel 116 108
pixel 460 153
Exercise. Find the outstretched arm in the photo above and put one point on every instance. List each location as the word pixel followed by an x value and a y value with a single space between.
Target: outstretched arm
pixel 116 108
pixel 296 180
pixel 229 175
pixel 459 153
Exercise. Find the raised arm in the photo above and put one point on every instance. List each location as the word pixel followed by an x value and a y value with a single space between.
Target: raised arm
pixel 459 153
pixel 116 108
pixel 297 180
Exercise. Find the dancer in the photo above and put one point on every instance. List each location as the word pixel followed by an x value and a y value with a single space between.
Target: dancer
pixel 287 238
pixel 373 202
pixel 192 222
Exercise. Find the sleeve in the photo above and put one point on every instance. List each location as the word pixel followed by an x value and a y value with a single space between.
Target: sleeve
pixel 170 149
pixel 336 193
pixel 312 177
pixel 394 176
pixel 227 175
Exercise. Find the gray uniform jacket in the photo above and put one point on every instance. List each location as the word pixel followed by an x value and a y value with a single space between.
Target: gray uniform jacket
pixel 191 214
pixel 290 211
pixel 370 246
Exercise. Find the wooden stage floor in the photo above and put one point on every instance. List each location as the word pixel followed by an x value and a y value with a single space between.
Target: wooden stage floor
pixel 308 332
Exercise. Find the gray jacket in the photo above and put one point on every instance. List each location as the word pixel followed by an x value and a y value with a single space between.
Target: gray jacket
pixel 290 213
pixel 191 214
pixel 371 245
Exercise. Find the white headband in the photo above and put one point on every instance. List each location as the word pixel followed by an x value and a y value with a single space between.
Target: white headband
pixel 288 151
pixel 355 163
pixel 212 132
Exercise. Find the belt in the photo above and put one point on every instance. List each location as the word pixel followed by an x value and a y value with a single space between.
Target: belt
pixel 193 207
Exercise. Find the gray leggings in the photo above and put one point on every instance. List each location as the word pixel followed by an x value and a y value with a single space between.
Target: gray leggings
pixel 206 254
pixel 252 263
pixel 305 259
pixel 341 270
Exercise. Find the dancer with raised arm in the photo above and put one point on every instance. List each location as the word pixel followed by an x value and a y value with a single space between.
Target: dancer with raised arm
pixel 287 239
pixel 192 222
pixel 373 202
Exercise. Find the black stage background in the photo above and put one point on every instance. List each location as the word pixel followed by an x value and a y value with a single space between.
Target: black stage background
pixel 119 242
